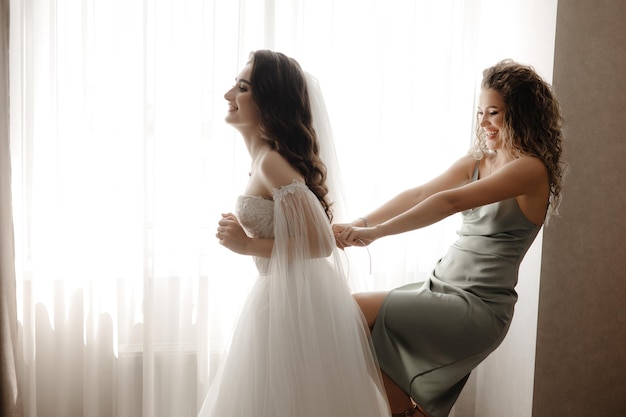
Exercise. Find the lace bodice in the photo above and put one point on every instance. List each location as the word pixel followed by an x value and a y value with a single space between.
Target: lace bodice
pixel 256 215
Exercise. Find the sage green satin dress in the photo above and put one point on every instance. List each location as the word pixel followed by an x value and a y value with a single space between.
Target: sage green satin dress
pixel 430 335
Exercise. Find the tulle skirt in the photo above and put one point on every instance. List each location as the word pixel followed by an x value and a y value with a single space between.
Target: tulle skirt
pixel 301 348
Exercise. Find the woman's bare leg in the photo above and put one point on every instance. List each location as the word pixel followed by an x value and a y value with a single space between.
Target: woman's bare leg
pixel 370 303
pixel 399 400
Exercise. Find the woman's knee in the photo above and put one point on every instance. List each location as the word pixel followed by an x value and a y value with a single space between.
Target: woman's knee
pixel 370 304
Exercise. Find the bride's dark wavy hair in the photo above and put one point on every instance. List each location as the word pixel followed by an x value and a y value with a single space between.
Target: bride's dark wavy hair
pixel 532 120
pixel 280 93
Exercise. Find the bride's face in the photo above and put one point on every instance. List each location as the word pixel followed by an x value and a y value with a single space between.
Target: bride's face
pixel 242 110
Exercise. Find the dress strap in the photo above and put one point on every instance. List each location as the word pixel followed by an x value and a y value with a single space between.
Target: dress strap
pixel 475 174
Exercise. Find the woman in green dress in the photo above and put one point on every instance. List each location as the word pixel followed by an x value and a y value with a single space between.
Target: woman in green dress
pixel 430 335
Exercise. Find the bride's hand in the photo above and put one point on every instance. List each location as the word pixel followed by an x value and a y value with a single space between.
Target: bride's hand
pixel 231 234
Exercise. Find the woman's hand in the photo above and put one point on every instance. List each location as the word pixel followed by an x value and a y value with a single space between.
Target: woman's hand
pixel 231 234
pixel 337 229
pixel 347 235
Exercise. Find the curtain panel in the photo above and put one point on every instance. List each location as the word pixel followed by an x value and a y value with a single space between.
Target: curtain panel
pixel 10 402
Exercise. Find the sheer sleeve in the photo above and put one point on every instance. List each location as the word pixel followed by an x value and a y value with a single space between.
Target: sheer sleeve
pixel 303 237
pixel 301 228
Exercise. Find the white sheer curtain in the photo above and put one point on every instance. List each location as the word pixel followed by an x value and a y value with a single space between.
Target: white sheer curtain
pixel 121 166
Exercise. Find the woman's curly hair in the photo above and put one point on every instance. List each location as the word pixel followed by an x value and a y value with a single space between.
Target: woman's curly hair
pixel 280 92
pixel 532 120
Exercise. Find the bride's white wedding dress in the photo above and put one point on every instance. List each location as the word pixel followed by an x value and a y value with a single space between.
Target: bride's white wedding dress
pixel 301 347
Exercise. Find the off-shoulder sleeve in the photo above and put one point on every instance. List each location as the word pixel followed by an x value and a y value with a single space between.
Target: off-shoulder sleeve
pixel 301 229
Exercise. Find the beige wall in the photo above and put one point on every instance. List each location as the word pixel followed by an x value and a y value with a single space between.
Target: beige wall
pixel 580 365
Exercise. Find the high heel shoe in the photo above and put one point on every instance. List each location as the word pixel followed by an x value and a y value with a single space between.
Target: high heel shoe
pixel 407 413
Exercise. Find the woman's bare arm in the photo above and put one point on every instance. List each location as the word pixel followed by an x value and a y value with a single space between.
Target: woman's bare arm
pixel 524 177
pixel 457 175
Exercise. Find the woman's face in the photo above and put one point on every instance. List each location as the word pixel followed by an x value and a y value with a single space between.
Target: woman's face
pixel 243 112
pixel 491 117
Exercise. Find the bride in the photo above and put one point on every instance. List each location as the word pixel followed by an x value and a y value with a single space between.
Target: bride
pixel 301 346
